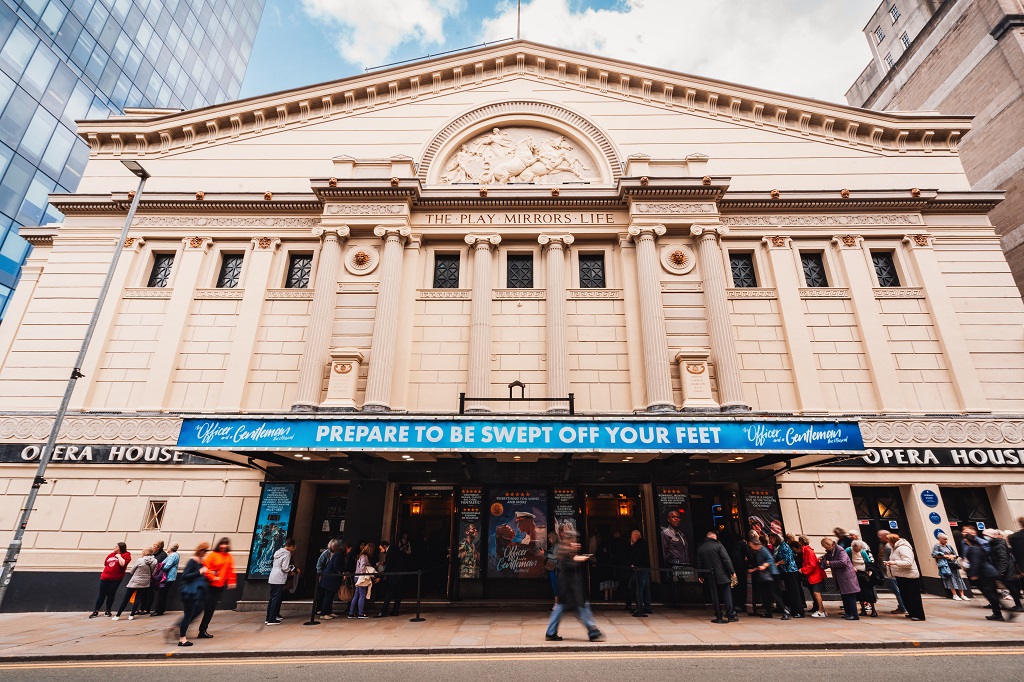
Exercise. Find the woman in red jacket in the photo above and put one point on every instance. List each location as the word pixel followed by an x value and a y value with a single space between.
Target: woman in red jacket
pixel 811 569
pixel 110 579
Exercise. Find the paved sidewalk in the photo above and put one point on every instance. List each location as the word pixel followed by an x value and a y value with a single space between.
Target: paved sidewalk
pixel 71 636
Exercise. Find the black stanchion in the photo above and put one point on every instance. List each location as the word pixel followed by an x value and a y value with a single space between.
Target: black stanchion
pixel 418 619
pixel 312 614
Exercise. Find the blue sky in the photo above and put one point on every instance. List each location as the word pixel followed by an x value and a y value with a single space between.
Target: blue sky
pixel 813 48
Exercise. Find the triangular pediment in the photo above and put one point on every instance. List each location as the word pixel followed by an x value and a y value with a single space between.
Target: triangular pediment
pixel 876 132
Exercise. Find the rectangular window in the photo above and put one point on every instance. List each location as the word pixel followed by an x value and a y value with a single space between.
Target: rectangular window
pixel 742 265
pixel 894 12
pixel 592 271
pixel 879 34
pixel 814 269
pixel 520 271
pixel 154 515
pixel 160 276
pixel 230 271
pixel 889 60
pixel 885 269
pixel 446 271
pixel 299 268
pixel 905 39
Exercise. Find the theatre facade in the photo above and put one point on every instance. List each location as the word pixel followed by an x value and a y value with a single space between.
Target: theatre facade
pixel 507 292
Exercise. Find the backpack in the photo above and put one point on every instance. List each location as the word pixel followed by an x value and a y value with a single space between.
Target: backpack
pixel 158 578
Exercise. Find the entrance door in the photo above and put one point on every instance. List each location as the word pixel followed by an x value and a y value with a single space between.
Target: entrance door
pixel 610 515
pixel 328 524
pixel 967 506
pixel 426 516
pixel 879 508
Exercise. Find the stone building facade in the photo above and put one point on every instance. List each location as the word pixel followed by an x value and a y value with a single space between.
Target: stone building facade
pixel 514 289
pixel 968 58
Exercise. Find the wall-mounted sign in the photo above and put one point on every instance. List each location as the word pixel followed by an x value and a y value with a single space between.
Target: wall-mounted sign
pixel 470 502
pixel 453 434
pixel 929 499
pixel 980 525
pixel 893 525
pixel 517 534
pixel 934 517
pixel 937 533
pixel 273 525
pixel 15 453
pixel 917 456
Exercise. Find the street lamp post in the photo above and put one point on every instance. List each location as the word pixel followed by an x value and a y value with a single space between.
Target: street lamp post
pixel 44 459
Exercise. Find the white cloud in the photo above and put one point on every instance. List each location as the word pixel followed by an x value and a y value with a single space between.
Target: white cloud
pixel 813 48
pixel 368 31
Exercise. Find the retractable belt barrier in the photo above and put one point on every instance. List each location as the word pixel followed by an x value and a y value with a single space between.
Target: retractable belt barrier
pixel 379 574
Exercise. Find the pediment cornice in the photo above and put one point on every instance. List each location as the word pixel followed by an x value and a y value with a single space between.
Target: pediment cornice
pixel 877 132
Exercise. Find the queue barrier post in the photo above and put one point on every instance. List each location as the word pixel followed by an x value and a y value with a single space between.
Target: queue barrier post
pixel 418 618
pixel 312 614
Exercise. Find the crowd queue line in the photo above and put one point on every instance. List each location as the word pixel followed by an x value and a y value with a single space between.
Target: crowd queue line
pixel 778 568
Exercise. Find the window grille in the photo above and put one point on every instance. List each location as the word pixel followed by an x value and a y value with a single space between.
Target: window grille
pixel 155 515
pixel 230 271
pixel 894 12
pixel 742 265
pixel 905 39
pixel 889 61
pixel 299 268
pixel 160 276
pixel 592 271
pixel 814 269
pixel 885 269
pixel 446 271
pixel 879 35
pixel 520 271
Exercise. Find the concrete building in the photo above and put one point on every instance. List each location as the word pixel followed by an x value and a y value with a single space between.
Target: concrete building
pixel 512 290
pixel 968 58
pixel 63 61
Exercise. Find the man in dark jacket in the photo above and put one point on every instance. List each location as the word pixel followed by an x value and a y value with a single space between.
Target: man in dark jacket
pixel 571 565
pixel 711 555
pixel 391 562
pixel 1005 563
pixel 640 564
pixel 1016 541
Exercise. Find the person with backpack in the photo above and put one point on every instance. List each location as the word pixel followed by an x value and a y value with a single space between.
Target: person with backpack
pixel 139 584
pixel 169 568
pixel 110 578
pixel 147 599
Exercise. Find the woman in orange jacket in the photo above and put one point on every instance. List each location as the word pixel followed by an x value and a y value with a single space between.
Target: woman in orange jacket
pixel 811 568
pixel 220 574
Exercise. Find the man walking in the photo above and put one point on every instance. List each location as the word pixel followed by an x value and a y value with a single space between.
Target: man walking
pixel 220 574
pixel 711 555
pixel 390 563
pixel 881 557
pixel 280 568
pixel 570 589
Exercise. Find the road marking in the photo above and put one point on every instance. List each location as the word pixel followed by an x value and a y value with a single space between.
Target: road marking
pixel 540 656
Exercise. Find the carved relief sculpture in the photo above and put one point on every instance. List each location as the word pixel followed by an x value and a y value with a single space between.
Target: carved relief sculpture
pixel 514 155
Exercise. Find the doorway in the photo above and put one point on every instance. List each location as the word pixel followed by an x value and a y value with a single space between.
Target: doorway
pixel 610 515
pixel 879 508
pixel 328 523
pixel 425 519
pixel 969 506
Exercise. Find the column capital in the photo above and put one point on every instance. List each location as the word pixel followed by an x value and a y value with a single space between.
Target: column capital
pixel 133 243
pixel 555 241
pixel 339 232
pixel 919 241
pixel 777 242
pixel 710 231
pixel 637 232
pixel 265 243
pixel 199 243
pixel 386 232
pixel 483 241
pixel 847 241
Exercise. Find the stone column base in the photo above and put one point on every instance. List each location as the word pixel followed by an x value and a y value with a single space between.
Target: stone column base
pixel 341 388
pixel 695 380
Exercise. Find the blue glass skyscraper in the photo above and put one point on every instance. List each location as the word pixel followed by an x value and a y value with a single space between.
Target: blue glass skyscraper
pixel 64 60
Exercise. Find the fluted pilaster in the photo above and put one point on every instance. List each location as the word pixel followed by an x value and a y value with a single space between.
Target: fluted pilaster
pixel 557 335
pixel 321 318
pixel 479 380
pixel 385 326
pixel 723 345
pixel 652 318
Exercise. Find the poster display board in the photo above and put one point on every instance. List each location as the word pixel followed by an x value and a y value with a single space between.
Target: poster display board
pixel 675 532
pixel 566 518
pixel 470 502
pixel 764 515
pixel 273 525
pixel 517 533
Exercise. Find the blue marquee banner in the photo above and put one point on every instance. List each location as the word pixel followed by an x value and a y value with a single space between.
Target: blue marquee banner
pixel 456 434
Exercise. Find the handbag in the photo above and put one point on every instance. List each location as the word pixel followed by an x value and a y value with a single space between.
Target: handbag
pixel 346 591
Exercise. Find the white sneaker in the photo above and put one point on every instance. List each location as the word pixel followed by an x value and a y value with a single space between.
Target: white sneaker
pixel 818 614
pixel 967 597
pixel 131 617
pixel 115 618
pixel 956 597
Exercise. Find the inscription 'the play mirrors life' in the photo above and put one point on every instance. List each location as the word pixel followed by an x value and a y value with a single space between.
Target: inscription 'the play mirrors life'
pixel 595 218
pixel 518 155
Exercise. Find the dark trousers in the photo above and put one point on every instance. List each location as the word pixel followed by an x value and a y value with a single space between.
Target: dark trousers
pixel 191 608
pixel 771 596
pixel 274 603
pixel 147 600
pixel 794 593
pixel 987 586
pixel 1013 585
pixel 107 590
pixel 140 594
pixel 850 604
pixel 910 590
pixel 725 600
pixel 392 594
pixel 161 598
pixel 739 593
pixel 640 589
pixel 212 599
pixel 327 601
